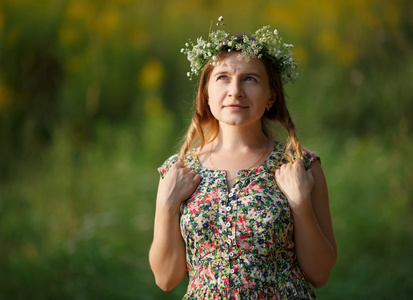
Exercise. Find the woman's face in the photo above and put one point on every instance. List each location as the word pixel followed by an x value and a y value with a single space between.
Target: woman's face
pixel 239 91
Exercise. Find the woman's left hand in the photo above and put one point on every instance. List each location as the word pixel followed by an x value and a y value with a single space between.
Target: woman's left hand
pixel 296 183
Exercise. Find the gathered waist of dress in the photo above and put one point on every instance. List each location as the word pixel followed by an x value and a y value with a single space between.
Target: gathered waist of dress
pixel 281 257
pixel 240 266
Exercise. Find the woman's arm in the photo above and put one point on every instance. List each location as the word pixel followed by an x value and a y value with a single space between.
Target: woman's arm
pixel 313 231
pixel 167 253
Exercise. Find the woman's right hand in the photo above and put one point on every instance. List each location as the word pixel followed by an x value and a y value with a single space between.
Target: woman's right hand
pixel 178 185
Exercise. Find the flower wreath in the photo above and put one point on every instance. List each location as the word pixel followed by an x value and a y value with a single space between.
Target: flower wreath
pixel 264 42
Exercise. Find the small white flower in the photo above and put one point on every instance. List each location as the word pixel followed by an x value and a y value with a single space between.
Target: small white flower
pixel 208 45
pixel 186 45
pixel 182 50
pixel 220 19
pixel 214 58
pixel 230 43
pixel 188 74
pixel 275 31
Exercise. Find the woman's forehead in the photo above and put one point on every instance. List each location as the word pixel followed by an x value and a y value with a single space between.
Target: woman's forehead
pixel 234 63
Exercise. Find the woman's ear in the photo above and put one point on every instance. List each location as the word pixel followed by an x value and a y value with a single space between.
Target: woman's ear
pixel 273 97
pixel 271 101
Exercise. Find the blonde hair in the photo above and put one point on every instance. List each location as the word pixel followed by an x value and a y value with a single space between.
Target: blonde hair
pixel 204 128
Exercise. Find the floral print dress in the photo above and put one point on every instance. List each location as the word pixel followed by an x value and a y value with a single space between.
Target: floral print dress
pixel 239 242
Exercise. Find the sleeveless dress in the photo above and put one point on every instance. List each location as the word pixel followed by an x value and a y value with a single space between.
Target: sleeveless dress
pixel 239 242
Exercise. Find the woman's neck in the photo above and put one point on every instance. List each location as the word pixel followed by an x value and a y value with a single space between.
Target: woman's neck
pixel 240 138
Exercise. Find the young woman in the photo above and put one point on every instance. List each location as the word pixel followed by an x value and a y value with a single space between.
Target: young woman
pixel 243 215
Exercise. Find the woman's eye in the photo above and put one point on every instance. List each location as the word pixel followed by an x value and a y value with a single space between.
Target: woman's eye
pixel 222 77
pixel 249 78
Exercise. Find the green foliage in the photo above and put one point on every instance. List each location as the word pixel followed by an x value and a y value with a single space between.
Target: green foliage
pixel 94 96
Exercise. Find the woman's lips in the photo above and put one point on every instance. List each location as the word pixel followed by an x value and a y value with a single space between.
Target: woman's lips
pixel 235 106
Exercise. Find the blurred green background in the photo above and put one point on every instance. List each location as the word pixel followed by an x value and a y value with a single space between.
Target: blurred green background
pixel 94 97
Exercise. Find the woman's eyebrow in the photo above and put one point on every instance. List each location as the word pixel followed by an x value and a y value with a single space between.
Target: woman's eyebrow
pixel 253 74
pixel 243 74
pixel 220 73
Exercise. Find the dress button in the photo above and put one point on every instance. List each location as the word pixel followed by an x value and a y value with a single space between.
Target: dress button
pixel 229 241
pixel 232 271
pixel 231 254
pixel 228 224
pixel 230 195
pixel 228 208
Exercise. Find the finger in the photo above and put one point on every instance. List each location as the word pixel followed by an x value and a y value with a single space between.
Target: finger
pixel 179 164
pixel 277 175
pixel 310 173
pixel 197 178
pixel 286 168
pixel 186 170
pixel 299 161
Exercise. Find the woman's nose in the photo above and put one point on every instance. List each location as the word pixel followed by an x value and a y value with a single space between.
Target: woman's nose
pixel 235 90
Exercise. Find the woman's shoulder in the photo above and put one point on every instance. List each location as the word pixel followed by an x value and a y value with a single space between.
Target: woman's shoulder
pixel 164 168
pixel 279 154
pixel 188 160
